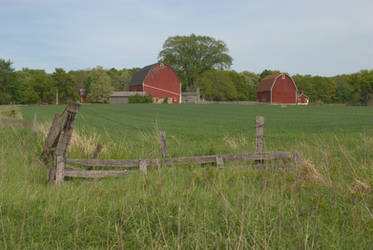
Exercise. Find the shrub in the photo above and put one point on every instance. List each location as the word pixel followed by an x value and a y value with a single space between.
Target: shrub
pixel 140 99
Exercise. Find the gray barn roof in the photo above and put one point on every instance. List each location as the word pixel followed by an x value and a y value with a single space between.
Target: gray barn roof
pixel 139 77
pixel 126 93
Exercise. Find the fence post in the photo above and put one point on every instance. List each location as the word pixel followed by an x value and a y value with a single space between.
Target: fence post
pixel 34 122
pixel 219 161
pixel 57 171
pixel 143 166
pixel 95 154
pixel 163 142
pixel 297 159
pixel 259 139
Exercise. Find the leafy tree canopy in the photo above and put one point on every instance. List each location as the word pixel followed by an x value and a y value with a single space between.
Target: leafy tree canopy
pixel 98 86
pixel 268 72
pixel 7 83
pixel 35 86
pixel 65 85
pixel 193 55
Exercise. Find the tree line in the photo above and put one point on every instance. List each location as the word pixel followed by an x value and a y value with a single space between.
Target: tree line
pixel 31 86
pixel 200 62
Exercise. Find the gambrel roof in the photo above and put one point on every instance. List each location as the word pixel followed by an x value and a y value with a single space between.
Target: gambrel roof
pixel 139 77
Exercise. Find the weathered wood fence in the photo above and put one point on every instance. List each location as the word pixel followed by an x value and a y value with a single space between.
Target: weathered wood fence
pixel 58 140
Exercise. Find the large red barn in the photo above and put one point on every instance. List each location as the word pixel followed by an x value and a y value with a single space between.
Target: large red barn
pixel 277 88
pixel 159 80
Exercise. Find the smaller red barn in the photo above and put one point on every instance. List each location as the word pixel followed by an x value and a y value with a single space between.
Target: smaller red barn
pixel 277 88
pixel 160 81
pixel 303 99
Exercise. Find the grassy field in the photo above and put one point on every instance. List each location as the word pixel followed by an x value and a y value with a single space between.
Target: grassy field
pixel 327 203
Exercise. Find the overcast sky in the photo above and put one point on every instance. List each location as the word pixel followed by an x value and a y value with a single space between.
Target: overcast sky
pixel 324 37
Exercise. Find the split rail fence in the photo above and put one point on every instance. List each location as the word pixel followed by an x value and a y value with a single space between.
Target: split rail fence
pixel 56 145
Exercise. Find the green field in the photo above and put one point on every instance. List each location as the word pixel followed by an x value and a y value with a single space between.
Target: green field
pixel 327 203
pixel 195 129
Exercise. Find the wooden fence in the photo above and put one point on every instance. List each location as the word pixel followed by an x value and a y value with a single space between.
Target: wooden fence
pixel 58 139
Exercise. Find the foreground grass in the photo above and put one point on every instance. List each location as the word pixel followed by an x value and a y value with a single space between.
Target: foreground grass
pixel 328 203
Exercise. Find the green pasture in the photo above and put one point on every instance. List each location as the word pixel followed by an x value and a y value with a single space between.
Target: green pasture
pixel 200 129
pixel 327 203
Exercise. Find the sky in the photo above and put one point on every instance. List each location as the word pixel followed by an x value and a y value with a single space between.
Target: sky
pixel 318 37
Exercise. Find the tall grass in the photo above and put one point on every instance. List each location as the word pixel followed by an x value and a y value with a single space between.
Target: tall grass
pixel 327 203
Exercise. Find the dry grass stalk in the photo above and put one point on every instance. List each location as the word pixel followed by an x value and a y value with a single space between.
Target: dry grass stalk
pixel 361 187
pixel 86 143
pixel 312 173
pixel 231 142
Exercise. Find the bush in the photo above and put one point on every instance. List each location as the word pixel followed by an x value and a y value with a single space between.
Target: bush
pixel 140 99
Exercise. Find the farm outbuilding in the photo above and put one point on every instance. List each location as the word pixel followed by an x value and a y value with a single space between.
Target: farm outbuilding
pixel 303 99
pixel 118 97
pixel 277 88
pixel 160 81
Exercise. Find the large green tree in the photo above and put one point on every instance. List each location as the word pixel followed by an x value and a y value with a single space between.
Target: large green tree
pixel 218 85
pixel 98 85
pixel 120 79
pixel 34 86
pixel 362 87
pixel 7 82
pixel 193 55
pixel 65 86
pixel 252 81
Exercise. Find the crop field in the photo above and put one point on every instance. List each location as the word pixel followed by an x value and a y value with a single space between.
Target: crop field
pixel 199 129
pixel 326 203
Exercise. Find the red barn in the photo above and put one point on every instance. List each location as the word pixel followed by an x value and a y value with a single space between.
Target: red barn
pixel 160 81
pixel 277 88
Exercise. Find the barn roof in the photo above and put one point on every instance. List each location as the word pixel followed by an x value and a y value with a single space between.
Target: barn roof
pixel 267 82
pixel 139 77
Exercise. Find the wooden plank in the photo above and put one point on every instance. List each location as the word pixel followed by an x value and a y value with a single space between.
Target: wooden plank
pixel 274 166
pixel 52 137
pixel 184 160
pixel 163 142
pixel 64 141
pixel 105 163
pixel 259 138
pixel 95 173
pixel 231 157
pixel 69 167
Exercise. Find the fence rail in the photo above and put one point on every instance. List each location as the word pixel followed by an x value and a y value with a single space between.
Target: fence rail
pixel 185 160
pixel 58 140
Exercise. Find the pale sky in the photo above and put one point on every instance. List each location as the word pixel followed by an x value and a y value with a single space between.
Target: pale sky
pixel 324 37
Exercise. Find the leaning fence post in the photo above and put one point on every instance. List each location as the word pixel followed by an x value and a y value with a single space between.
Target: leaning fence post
pixel 163 142
pixel 259 139
pixel 59 162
